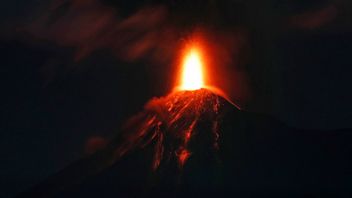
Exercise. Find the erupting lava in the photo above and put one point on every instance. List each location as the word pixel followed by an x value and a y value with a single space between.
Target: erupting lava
pixel 177 124
pixel 192 71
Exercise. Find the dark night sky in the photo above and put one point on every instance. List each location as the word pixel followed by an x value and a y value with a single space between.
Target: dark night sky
pixel 297 59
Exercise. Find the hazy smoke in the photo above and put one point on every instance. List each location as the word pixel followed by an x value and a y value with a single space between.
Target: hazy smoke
pixel 315 19
pixel 89 25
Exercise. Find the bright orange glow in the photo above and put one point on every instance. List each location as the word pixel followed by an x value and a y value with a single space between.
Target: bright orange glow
pixel 183 155
pixel 192 71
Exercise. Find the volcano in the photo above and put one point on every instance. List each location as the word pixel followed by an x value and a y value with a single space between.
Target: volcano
pixel 196 143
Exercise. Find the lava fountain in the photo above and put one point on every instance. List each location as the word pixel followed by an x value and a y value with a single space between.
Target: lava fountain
pixel 175 122
pixel 192 71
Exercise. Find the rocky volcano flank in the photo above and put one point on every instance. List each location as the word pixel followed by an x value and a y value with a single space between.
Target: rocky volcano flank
pixel 196 143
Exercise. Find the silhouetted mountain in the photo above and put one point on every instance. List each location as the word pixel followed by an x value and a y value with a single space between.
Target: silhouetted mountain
pixel 257 156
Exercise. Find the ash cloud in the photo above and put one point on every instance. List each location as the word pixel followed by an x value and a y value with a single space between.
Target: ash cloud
pixel 89 25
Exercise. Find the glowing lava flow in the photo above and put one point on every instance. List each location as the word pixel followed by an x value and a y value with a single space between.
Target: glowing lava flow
pixel 174 124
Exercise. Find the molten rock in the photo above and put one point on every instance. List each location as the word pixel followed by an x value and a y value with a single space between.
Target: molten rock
pixel 174 123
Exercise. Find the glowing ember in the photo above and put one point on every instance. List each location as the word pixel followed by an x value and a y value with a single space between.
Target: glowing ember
pixel 192 71
pixel 183 156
